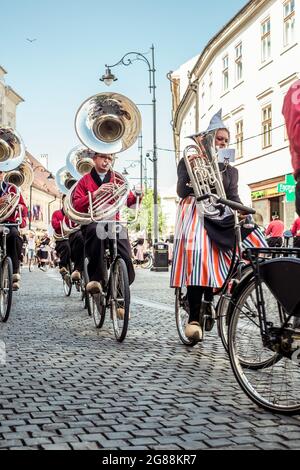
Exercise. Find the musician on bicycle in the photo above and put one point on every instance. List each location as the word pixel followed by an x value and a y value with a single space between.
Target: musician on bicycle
pixel 14 239
pixel 71 247
pixel 203 245
pixel 99 180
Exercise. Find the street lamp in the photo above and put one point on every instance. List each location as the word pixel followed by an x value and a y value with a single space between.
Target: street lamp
pixel 108 78
pixel 49 177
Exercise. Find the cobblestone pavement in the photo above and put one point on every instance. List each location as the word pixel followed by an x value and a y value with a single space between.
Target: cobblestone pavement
pixel 67 386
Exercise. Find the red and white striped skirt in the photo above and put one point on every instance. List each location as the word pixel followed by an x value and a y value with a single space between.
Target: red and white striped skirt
pixel 197 261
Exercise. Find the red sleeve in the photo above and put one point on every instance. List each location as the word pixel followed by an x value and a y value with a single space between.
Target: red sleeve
pixel 80 198
pixel 57 217
pixel 132 200
pixel 294 228
pixel 269 229
pixel 24 212
pixel 291 112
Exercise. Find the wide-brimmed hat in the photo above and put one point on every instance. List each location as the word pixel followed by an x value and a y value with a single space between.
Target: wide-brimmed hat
pixel 215 124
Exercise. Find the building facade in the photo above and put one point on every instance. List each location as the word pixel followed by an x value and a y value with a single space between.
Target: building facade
pixel 42 197
pixel 246 69
pixel 9 101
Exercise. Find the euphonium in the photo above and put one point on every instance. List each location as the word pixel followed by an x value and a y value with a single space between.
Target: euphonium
pixel 106 123
pixel 203 168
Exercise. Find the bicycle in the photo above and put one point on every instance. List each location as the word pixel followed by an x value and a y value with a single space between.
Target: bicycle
pixel 264 326
pixel 6 275
pixel 116 292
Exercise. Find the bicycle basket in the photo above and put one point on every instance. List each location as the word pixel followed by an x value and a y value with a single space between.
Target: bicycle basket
pixel 282 275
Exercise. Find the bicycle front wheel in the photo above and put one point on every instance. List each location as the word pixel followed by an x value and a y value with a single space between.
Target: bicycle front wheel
pixel 182 316
pixel 67 282
pixel 6 288
pixel 269 379
pixel 119 298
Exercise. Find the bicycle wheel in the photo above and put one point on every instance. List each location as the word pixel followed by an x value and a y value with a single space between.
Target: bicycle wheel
pixel 6 288
pixel 182 316
pixel 269 379
pixel 223 319
pixel 67 283
pixel 147 263
pixel 88 301
pixel 119 298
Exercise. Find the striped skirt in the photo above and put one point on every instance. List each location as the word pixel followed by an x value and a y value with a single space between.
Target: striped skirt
pixel 197 261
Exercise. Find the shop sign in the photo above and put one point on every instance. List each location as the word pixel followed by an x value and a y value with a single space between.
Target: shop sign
pixel 288 188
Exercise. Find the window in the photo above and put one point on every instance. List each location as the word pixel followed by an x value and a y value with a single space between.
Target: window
pixel 239 62
pixel 266 40
pixel 289 23
pixel 225 73
pixel 203 95
pixel 267 126
pixel 210 86
pixel 239 130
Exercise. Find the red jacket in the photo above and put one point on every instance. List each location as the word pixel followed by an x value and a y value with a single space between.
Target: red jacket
pixel 296 228
pixel 57 218
pixel 291 112
pixel 87 184
pixel 275 228
pixel 14 218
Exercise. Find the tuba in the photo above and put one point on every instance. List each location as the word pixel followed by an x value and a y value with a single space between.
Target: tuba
pixel 22 176
pixel 79 161
pixel 106 123
pixel 64 182
pixel 12 154
pixel 203 168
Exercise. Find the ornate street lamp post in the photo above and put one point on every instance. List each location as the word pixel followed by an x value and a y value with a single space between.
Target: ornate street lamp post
pixel 108 78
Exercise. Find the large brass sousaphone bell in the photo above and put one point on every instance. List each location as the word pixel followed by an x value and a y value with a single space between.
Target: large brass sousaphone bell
pixel 79 161
pixel 64 180
pixel 108 123
pixel 21 176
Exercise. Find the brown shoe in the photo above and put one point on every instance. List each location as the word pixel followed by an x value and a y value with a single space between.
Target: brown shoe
pixel 76 276
pixel 121 313
pixel 63 271
pixel 16 286
pixel 193 331
pixel 16 277
pixel 94 287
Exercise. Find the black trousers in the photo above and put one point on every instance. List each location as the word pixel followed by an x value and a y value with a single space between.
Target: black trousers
pixel 77 250
pixel 64 252
pixel 194 295
pixel 95 242
pixel 275 242
pixel 14 245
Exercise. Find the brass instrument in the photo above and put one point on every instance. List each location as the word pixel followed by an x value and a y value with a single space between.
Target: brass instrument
pixel 64 182
pixel 22 176
pixel 203 168
pixel 12 154
pixel 79 161
pixel 106 123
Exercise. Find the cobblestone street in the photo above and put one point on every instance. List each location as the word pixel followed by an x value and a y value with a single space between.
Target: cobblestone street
pixel 67 386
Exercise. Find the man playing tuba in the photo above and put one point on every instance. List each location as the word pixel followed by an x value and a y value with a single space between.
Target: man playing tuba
pixel 100 181
pixel 14 240
pixel 68 247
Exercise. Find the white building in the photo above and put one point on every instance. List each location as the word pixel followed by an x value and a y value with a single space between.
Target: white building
pixel 9 101
pixel 246 69
pixel 169 201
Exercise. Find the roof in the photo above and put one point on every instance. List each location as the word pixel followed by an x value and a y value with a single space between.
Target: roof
pixel 41 174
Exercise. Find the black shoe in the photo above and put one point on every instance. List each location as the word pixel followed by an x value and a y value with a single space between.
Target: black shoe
pixel 207 315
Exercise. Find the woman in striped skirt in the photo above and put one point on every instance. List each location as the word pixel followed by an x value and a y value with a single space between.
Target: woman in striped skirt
pixel 203 247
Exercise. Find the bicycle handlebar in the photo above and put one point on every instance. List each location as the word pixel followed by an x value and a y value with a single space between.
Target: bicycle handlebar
pixel 232 204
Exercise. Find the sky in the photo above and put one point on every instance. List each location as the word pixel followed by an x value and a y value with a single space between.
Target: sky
pixel 58 71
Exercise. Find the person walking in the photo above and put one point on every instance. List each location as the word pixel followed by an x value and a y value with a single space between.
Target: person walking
pixel 274 232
